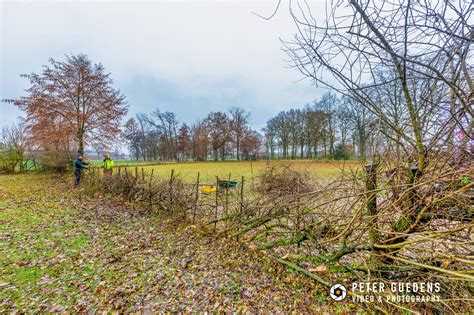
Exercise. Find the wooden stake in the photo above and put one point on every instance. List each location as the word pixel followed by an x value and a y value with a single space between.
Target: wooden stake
pixel 151 177
pixel 171 186
pixel 196 198
pixel 241 197
pixel 150 202
pixel 217 203
pixel 227 197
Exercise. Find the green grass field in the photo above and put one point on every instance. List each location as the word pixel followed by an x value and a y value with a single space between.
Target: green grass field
pixel 209 170
pixel 121 162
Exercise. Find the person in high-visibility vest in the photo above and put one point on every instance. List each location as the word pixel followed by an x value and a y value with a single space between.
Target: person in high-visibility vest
pixel 108 164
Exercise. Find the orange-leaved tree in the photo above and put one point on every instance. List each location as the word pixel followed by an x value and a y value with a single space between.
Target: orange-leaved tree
pixel 72 103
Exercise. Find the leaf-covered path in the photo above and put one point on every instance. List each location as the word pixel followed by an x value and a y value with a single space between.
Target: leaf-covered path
pixel 62 251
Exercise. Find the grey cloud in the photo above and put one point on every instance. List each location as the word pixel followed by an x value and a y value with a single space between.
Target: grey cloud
pixel 189 57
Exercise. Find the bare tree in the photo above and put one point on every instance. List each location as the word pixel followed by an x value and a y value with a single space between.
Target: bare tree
pixel 200 141
pixel 238 125
pixel 134 137
pixel 328 104
pixel 184 142
pixel 166 125
pixel 415 39
pixel 218 127
pixel 251 143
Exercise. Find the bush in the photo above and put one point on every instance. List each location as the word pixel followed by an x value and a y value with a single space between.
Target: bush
pixel 9 160
pixel 283 181
pixel 341 152
pixel 59 162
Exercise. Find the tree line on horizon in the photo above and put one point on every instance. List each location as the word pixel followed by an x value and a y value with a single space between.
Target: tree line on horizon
pixel 219 136
pixel 331 128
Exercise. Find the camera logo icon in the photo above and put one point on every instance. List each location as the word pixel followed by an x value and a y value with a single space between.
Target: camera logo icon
pixel 338 292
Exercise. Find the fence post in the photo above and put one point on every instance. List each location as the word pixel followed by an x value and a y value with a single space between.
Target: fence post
pixel 371 186
pixel 217 203
pixel 143 175
pixel 227 196
pixel 171 187
pixel 150 191
pixel 196 199
pixel 151 177
pixel 136 172
pixel 241 197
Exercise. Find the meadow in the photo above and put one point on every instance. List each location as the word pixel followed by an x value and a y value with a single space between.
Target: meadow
pixel 234 170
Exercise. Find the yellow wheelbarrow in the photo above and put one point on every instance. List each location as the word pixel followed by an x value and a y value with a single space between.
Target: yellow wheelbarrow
pixel 209 188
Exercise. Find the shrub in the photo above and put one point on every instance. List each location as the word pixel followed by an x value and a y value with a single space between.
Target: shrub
pixel 56 161
pixel 283 181
pixel 10 158
pixel 341 152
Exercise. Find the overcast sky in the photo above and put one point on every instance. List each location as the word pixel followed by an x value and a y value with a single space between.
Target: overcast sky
pixel 189 57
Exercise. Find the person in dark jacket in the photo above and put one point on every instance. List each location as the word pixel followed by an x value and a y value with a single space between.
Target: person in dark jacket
pixel 79 165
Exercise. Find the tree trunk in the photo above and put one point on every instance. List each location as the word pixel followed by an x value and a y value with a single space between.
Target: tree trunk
pixel 401 70
pixel 361 148
pixel 237 144
pixel 80 140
